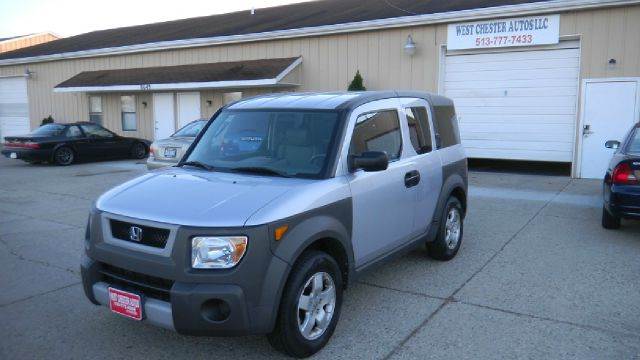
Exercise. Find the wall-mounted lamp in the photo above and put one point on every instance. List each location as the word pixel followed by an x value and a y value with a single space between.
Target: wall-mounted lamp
pixel 410 46
pixel 612 61
pixel 209 102
pixel 28 73
pixel 144 103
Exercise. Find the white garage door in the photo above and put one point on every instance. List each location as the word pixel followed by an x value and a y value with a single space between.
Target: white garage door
pixel 518 105
pixel 14 107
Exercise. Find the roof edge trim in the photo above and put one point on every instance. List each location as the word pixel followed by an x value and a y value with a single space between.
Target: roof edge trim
pixel 404 21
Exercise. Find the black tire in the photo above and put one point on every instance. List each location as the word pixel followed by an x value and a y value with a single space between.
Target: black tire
pixel 138 151
pixel 287 336
pixel 609 221
pixel 442 248
pixel 64 156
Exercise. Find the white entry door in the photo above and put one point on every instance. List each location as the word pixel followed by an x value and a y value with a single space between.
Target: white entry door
pixel 14 107
pixel 163 115
pixel 188 108
pixel 609 110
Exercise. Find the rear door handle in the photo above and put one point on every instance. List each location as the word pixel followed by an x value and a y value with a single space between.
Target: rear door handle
pixel 412 178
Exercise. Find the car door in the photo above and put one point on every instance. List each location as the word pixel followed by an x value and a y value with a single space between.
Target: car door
pixel 383 204
pixel 102 142
pixel 417 114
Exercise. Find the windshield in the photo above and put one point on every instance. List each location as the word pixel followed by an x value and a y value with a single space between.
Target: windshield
pixel 634 143
pixel 191 129
pixel 278 143
pixel 49 130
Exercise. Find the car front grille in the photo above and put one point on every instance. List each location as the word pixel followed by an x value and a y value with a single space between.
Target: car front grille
pixel 149 286
pixel 145 235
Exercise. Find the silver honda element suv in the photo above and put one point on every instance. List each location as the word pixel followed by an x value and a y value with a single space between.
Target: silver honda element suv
pixel 280 203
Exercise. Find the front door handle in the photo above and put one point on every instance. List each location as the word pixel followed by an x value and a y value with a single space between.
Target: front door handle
pixel 412 178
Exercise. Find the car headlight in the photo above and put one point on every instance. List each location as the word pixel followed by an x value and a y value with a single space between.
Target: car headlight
pixel 217 252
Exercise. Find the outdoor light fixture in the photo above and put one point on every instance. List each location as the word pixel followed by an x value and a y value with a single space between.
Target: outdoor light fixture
pixel 28 73
pixel 209 102
pixel 144 103
pixel 410 46
pixel 612 61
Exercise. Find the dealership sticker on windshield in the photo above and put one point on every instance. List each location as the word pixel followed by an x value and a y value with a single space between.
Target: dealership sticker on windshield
pixel 125 303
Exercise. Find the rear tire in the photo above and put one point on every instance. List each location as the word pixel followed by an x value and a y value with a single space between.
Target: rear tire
pixel 138 151
pixel 64 156
pixel 447 242
pixel 609 221
pixel 320 312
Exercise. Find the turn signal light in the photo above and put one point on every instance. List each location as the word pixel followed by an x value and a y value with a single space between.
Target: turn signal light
pixel 624 175
pixel 280 231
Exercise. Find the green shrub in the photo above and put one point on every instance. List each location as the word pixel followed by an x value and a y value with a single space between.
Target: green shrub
pixel 357 84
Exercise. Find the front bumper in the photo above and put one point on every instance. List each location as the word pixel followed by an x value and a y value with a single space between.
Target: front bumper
pixel 230 302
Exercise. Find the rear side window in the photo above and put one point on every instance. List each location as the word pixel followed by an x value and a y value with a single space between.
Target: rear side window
pixel 419 131
pixel 634 143
pixel 446 126
pixel 73 131
pixel 377 131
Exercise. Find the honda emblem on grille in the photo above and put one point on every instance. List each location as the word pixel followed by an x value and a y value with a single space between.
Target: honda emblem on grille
pixel 135 233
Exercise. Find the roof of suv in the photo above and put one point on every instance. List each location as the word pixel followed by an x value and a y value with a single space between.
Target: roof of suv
pixel 329 100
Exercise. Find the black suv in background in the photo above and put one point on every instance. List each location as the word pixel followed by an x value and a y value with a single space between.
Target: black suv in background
pixel 622 181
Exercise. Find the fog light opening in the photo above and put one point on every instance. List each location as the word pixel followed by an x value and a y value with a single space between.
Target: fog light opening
pixel 216 310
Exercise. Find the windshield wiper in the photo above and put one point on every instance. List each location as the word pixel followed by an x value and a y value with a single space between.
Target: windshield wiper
pixel 260 170
pixel 198 164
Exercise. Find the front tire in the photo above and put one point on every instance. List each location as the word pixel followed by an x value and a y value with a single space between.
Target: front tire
pixel 310 306
pixel 447 242
pixel 64 156
pixel 609 221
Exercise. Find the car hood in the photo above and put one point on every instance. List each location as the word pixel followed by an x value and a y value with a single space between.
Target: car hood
pixel 195 197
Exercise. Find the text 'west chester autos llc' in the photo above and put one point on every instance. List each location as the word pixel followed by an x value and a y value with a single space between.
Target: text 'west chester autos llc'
pixel 512 32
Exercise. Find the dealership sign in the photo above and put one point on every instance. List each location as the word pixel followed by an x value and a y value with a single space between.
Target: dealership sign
pixel 525 31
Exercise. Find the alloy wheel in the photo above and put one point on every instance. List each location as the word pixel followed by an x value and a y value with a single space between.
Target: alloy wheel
pixel 453 227
pixel 316 305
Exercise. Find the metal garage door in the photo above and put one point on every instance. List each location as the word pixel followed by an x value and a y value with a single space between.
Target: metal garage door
pixel 14 107
pixel 519 104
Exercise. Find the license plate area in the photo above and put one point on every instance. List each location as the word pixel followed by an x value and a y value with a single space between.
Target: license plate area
pixel 125 303
pixel 170 152
pixel 13 155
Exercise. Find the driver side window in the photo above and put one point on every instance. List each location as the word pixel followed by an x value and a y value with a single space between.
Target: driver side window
pixel 377 131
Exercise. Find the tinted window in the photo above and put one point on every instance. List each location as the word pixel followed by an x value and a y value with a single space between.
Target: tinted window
pixel 73 131
pixel 50 130
pixel 419 131
pixel 190 130
pixel 96 131
pixel 446 126
pixel 290 143
pixel 634 143
pixel 377 131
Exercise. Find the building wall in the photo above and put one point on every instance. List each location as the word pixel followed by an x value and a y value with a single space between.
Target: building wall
pixel 329 62
pixel 25 41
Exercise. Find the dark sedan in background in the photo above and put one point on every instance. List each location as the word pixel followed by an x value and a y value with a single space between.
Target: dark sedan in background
pixel 63 144
pixel 622 181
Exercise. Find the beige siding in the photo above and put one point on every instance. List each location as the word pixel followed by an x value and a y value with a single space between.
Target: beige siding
pixel 329 62
pixel 25 41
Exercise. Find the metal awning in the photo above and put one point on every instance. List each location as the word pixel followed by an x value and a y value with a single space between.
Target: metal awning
pixel 236 74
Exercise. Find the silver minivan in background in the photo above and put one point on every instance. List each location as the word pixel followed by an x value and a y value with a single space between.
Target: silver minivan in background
pixel 167 152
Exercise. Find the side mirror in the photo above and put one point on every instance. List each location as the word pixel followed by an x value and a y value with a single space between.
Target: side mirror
pixel 369 161
pixel 612 144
